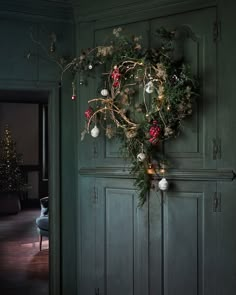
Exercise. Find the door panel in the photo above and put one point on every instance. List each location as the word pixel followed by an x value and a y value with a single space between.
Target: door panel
pixel 193 148
pixel 182 218
pixel 122 229
pixel 189 237
pixel 87 236
pixel 156 216
pixel 226 254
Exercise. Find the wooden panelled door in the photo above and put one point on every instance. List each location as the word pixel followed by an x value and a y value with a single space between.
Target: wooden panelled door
pixel 167 246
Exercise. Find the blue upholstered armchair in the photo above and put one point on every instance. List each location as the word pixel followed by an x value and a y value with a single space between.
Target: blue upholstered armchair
pixel 42 221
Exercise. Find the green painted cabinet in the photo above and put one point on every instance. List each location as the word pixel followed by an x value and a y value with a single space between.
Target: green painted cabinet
pixel 175 243
pixel 195 148
pixel 169 246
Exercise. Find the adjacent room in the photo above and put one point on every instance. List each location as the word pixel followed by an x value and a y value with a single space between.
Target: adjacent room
pixel 24 194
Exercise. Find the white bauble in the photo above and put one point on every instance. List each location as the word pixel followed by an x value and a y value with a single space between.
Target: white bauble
pixel 95 131
pixel 141 157
pixel 104 92
pixel 149 88
pixel 163 184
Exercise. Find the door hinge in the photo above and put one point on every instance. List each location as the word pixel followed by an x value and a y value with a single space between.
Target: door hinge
pixel 216 31
pixel 216 202
pixel 216 148
pixel 95 195
pixel 219 148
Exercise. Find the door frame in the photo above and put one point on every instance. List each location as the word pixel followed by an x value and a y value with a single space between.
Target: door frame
pixel 23 91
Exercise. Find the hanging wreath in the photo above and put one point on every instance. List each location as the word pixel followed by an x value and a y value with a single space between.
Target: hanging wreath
pixel 146 94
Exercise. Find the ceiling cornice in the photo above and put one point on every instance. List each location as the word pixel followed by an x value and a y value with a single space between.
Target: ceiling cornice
pixel 56 10
pixel 136 10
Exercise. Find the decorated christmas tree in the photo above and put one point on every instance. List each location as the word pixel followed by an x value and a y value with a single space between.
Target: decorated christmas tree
pixel 11 177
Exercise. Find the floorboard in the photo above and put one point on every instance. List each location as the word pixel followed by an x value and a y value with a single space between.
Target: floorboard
pixel 23 268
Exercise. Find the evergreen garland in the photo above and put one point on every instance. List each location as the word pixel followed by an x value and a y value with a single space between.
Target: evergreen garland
pixel 146 95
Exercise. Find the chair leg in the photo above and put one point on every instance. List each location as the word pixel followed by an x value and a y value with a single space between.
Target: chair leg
pixel 40 242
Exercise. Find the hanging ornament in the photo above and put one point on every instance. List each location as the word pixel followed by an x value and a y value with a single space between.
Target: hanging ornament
pixel 149 87
pixel 115 75
pixel 141 157
pixel 163 184
pixel 95 131
pixel 104 92
pixel 90 66
pixel 73 97
pixel 154 132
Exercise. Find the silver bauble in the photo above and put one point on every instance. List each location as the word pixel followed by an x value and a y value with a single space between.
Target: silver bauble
pixel 149 88
pixel 95 131
pixel 141 157
pixel 163 184
pixel 104 92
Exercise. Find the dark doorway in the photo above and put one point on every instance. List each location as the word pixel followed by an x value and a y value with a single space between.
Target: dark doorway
pixel 28 121
pixel 24 267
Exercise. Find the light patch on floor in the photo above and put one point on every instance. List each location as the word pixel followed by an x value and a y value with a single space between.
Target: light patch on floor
pixel 45 245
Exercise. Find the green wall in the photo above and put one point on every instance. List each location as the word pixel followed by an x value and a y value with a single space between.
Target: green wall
pixel 38 73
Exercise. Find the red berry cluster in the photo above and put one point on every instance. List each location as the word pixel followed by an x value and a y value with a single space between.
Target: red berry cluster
pixel 154 132
pixel 88 113
pixel 115 75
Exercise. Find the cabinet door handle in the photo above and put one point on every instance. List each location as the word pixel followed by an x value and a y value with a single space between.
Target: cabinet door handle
pixel 215 203
pixel 214 148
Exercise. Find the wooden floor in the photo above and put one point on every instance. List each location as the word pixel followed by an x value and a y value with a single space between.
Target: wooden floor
pixel 23 268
